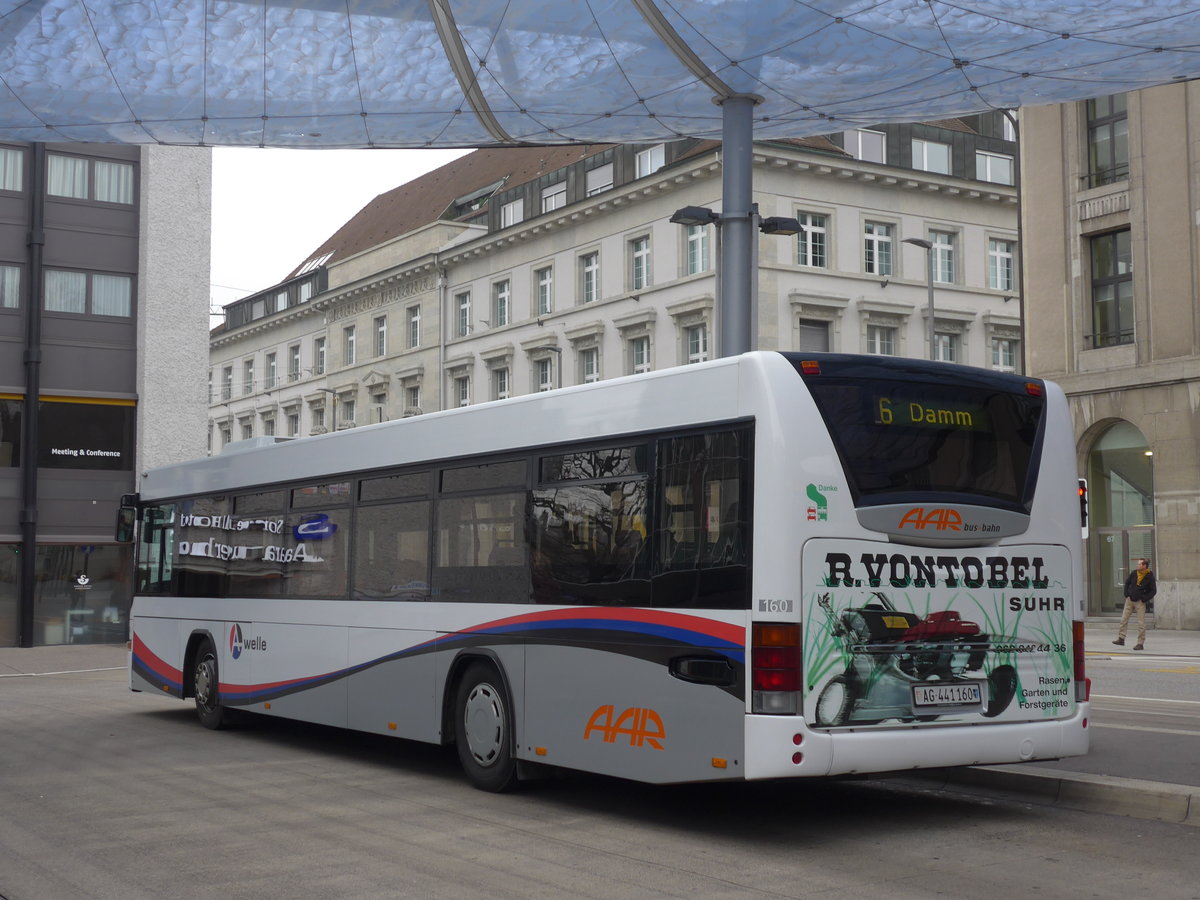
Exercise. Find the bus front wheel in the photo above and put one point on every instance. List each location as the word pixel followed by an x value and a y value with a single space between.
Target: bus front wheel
pixel 206 687
pixel 483 729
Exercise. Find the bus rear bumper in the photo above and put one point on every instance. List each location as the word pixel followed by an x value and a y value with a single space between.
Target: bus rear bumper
pixel 785 747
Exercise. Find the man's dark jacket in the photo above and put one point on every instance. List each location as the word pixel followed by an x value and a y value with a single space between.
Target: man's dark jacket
pixel 1144 592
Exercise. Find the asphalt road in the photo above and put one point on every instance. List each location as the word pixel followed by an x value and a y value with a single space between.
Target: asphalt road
pixel 108 794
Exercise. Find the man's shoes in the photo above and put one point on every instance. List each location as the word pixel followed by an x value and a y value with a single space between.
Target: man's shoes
pixel 1138 647
pixel 1120 642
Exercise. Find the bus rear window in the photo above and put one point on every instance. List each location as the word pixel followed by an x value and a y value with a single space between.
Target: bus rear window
pixel 906 428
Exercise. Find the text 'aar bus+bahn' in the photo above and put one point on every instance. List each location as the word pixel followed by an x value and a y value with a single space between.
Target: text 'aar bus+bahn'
pixel 774 565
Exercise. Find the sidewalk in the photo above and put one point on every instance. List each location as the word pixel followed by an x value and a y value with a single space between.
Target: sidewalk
pixel 1099 634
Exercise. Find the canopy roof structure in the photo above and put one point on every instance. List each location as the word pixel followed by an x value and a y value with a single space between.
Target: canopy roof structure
pixel 459 73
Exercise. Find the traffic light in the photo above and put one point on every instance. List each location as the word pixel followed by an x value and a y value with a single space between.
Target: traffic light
pixel 1083 506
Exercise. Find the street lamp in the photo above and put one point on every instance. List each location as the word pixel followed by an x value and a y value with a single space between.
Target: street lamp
pixel 927 246
pixel 333 410
pixel 730 340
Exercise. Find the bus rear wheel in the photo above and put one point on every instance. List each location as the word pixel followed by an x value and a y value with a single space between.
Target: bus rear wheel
pixel 206 687
pixel 483 729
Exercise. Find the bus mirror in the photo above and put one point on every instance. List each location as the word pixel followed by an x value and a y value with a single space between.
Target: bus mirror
pixel 126 520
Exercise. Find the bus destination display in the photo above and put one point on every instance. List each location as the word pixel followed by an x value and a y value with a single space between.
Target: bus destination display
pixel 931 413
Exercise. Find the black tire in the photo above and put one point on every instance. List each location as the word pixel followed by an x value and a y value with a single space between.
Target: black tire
pixel 835 702
pixel 206 687
pixel 483 729
pixel 1002 687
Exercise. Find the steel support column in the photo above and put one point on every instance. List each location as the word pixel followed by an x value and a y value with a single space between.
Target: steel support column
pixel 736 283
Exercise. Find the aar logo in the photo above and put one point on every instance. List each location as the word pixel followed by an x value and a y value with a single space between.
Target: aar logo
pixel 920 518
pixel 642 726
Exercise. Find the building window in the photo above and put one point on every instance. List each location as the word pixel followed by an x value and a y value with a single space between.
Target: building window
pixel 994 167
pixel 248 376
pixel 381 335
pixel 943 256
pixel 412 398
pixel 650 160
pixel 271 375
pixel 589 276
pixel 877 248
pixel 945 347
pixel 348 414
pixel 462 390
pixel 319 356
pixel 599 179
pixel 84 293
pixel 462 323
pixel 414 327
pixel 501 297
pixel 10 287
pixel 697 249
pixel 304 291
pixel 1000 265
pixel 814 336
pixel 84 179
pixel 545 290
pixel 12 169
pixel 589 365
pixel 512 212
pixel 294 362
pixel 247 430
pixel 554 197
pixel 349 339
pixel 293 424
pixel 639 251
pixel 227 383
pixel 696 338
pixel 269 426
pixel 639 355
pixel 930 156
pixel 881 340
pixel 869 146
pixel 1112 289
pixel 1108 140
pixel 500 384
pixel 544 373
pixel 810 242
pixel 1008 130
pixel 1004 354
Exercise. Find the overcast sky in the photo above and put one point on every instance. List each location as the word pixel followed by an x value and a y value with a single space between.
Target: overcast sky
pixel 271 208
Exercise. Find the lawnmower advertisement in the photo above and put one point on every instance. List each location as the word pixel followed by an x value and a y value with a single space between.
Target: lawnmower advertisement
pixel 895 635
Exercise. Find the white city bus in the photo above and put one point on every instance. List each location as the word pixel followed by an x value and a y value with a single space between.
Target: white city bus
pixel 774 565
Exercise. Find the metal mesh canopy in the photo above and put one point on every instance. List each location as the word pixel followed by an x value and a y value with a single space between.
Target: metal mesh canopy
pixel 451 73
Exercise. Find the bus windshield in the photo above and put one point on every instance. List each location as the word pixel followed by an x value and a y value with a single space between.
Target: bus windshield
pixel 926 427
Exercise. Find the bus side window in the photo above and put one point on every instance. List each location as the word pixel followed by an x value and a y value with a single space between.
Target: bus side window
pixel 391 551
pixel 589 544
pixel 155 549
pixel 702 529
pixel 480 554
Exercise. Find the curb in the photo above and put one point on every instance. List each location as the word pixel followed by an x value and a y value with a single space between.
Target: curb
pixel 1138 799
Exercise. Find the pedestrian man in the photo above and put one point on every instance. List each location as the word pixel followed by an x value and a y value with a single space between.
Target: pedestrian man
pixel 1140 588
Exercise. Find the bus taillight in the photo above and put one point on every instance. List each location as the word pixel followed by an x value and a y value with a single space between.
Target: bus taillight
pixel 775 668
pixel 1082 685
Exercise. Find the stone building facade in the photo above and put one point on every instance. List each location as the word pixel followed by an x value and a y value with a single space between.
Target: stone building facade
pixel 514 270
pixel 1110 192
